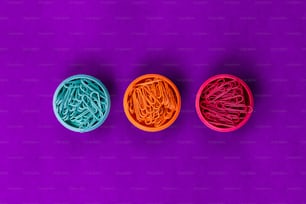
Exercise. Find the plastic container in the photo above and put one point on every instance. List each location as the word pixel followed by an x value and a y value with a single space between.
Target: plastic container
pixel 224 103
pixel 81 103
pixel 152 102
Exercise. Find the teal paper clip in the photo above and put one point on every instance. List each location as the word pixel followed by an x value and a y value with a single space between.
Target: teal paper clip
pixel 81 103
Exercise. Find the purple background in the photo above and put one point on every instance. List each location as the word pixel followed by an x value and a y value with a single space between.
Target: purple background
pixel 44 41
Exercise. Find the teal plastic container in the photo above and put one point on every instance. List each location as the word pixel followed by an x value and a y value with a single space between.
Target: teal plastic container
pixel 81 103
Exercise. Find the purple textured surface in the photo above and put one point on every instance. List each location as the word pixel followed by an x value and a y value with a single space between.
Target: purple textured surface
pixel 44 41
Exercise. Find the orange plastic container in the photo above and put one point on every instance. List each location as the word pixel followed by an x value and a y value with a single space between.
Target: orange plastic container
pixel 152 102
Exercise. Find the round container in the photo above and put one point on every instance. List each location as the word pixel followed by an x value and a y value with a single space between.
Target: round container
pixel 152 102
pixel 224 103
pixel 81 103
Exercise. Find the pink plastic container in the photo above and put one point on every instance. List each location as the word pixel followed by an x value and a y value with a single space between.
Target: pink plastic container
pixel 224 103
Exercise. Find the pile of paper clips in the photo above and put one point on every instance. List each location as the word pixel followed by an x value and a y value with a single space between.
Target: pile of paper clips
pixel 225 103
pixel 81 103
pixel 152 102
